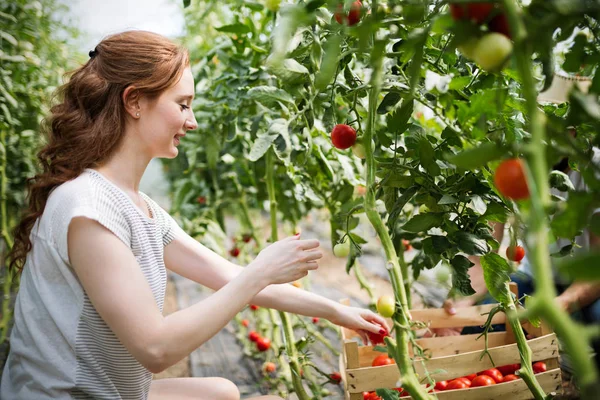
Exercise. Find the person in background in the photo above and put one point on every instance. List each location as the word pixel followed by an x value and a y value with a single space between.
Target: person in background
pixel 94 251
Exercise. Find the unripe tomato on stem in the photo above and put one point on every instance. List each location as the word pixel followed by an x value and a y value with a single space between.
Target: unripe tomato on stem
pixel 515 253
pixel 272 5
pixel 342 249
pixel 492 51
pixel 386 306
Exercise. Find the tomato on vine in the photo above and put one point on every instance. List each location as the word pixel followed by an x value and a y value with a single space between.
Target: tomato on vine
pixel 234 252
pixel 336 377
pixel 263 344
pixel 269 367
pixel 492 51
pixel 353 16
pixel 515 253
pixel 359 151
pixel 386 306
pixel 245 322
pixel 342 249
pixel 510 180
pixel 272 5
pixel 477 12
pixel 315 320
pixel 343 136
pixel 500 24
pixel 253 336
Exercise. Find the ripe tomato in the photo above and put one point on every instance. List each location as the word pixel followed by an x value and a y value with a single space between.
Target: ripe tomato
pixel 315 320
pixel 272 5
pixel 466 380
pixel 492 51
pixel 353 16
pixel 386 306
pixel 510 377
pixel 246 237
pixel 406 244
pixel 336 377
pixel 245 322
pixel 509 369
pixel 500 24
pixel 493 373
pixel 457 384
pixel 401 392
pixel 539 367
pixel 510 180
pixel 515 253
pixel 269 367
pixel 483 380
pixel 441 385
pixel 370 396
pixel 263 344
pixel 254 307
pixel 201 200
pixel 253 336
pixel 342 249
pixel 376 338
pixel 382 360
pixel 359 151
pixel 343 136
pixel 476 12
pixel 234 252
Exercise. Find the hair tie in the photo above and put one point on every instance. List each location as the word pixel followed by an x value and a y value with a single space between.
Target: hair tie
pixel 93 53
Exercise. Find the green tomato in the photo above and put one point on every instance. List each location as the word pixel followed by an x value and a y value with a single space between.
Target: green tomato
pixel 443 273
pixel 467 48
pixel 272 5
pixel 386 306
pixel 359 151
pixel 341 249
pixel 492 51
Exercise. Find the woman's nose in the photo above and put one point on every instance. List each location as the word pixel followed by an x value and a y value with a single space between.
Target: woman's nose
pixel 191 124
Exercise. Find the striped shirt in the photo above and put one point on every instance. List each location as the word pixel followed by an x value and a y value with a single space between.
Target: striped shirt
pixel 60 347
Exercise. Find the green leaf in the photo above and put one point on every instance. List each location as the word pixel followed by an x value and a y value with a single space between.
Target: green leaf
pixel 561 181
pixel 440 243
pixel 238 29
pixel 478 156
pixel 263 142
pixel 269 94
pixel 568 223
pixel 496 212
pixel 388 102
pixel 290 71
pixel 398 120
pixel 583 267
pixel 399 205
pixel 470 244
pixel 496 273
pixel 595 224
pixel 423 222
pixel 427 157
pixel 461 282
pixel 186 3
pixel 329 63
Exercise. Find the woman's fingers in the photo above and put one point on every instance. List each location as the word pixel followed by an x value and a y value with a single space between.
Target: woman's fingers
pixel 308 244
pixel 312 255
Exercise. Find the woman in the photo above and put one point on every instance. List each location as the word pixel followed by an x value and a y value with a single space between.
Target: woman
pixel 93 249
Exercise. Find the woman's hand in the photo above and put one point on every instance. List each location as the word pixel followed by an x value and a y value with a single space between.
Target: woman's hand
pixel 360 320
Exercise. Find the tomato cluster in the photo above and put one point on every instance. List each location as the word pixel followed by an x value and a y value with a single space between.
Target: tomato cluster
pixel 494 47
pixel 353 15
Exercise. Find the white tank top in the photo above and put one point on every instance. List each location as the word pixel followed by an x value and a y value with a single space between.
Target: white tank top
pixel 60 347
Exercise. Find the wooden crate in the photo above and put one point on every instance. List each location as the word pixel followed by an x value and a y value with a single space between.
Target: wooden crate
pixel 457 355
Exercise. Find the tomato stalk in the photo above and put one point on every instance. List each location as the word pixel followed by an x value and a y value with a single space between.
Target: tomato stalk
pixel 543 303
pixel 401 317
pixel 362 281
pixel 8 242
pixel 248 221
pixel 526 371
pixel 288 331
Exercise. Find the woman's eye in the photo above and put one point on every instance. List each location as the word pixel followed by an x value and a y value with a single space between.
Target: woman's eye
pixel 184 107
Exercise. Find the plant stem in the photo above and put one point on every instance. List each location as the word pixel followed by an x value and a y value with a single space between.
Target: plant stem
pixel 8 242
pixel 287 326
pixel 572 335
pixel 409 380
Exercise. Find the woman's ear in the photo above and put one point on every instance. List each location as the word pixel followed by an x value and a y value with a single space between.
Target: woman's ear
pixel 131 101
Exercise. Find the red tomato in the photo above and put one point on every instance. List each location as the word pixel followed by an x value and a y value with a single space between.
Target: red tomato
pixel 246 237
pixel 382 360
pixel 377 338
pixel 483 380
pixel 270 367
pixel 441 385
pixel 315 320
pixel 263 344
pixel 406 244
pixel 201 200
pixel 510 180
pixel 539 367
pixel 253 336
pixel 353 16
pixel 509 369
pixel 370 396
pixel 476 12
pixel 515 253
pixel 245 322
pixel 234 252
pixel 500 24
pixel 493 373
pixel 401 392
pixel 470 377
pixel 343 136
pixel 254 307
pixel 336 377
pixel 466 380
pixel 510 377
pixel 457 384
